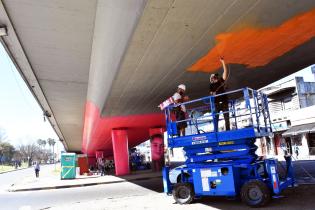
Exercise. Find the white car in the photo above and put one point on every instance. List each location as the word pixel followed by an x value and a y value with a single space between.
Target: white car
pixel 175 174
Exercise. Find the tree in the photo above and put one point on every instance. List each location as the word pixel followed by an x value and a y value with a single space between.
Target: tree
pixel 41 143
pixel 52 143
pixel 29 153
pixel 17 156
pixel 6 152
pixel 44 143
pixel 43 152
pixel 45 155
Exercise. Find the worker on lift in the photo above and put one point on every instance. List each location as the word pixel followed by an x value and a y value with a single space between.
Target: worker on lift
pixel 180 111
pixel 217 86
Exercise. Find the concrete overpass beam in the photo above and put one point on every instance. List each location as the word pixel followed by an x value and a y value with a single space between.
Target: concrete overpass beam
pixel 120 149
pixel 115 22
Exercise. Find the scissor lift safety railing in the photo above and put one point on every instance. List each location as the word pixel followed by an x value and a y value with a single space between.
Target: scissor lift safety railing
pixel 249 118
pixel 223 162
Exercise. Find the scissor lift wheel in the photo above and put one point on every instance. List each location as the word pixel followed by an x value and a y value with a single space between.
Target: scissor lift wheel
pixel 255 193
pixel 183 193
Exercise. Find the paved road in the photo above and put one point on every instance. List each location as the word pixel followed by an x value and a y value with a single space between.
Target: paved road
pixel 115 192
pixel 304 168
pixel 49 198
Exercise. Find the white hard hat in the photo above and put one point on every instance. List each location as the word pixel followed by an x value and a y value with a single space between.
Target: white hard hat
pixel 182 86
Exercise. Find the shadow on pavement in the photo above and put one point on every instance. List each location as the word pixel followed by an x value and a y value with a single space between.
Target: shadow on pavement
pixel 154 184
pixel 151 183
pixel 145 178
pixel 298 198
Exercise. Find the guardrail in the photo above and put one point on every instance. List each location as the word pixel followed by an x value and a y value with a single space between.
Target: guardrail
pixel 246 108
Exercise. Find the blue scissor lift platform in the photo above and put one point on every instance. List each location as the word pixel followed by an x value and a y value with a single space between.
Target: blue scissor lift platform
pixel 224 163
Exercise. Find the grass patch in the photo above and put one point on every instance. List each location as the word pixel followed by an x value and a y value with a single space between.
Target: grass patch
pixel 6 168
pixel 57 169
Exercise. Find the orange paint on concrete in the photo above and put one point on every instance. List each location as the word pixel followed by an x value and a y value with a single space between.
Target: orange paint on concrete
pixel 254 47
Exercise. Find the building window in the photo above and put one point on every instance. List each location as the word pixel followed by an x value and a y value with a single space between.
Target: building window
pixel 311 143
pixel 287 103
pixel 297 140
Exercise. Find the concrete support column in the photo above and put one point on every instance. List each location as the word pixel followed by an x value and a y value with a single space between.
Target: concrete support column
pixel 92 161
pixel 157 148
pixel 120 149
pixel 99 154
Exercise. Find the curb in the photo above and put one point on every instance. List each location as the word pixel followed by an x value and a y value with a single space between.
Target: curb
pixel 81 185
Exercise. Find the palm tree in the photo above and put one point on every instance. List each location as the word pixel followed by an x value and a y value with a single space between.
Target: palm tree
pixel 52 143
pixel 44 143
pixel 40 142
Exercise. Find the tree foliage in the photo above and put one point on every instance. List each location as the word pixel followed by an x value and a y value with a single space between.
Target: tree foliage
pixel 41 143
pixel 6 149
pixel 26 152
pixel 51 141
pixel 29 152
pixel 6 152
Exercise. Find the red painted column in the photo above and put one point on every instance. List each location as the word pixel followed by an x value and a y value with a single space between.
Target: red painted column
pixel 157 148
pixel 120 149
pixel 92 161
pixel 154 131
pixel 99 154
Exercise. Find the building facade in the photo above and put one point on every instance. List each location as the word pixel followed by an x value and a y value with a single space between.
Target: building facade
pixel 292 112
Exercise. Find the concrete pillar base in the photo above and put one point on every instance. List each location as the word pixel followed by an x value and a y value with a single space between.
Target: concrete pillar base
pixel 120 149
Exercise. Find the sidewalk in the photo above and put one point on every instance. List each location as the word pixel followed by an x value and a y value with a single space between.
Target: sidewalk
pixel 50 179
pixel 294 158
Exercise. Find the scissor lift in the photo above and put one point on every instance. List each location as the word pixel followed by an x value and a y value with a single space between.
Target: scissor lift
pixel 224 163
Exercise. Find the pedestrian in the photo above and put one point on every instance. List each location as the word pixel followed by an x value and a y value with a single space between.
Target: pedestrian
pixel 180 111
pixel 102 166
pixel 37 169
pixel 217 86
pixel 296 151
pixel 99 165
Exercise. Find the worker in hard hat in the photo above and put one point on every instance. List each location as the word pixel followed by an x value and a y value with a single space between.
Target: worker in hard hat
pixel 180 111
pixel 217 86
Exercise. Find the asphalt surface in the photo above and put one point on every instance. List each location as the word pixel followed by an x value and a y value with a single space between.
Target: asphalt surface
pixel 49 198
pixel 119 191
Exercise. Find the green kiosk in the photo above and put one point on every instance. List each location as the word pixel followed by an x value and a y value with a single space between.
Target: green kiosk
pixel 68 165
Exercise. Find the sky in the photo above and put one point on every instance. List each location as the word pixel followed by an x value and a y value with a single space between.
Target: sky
pixel 20 115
